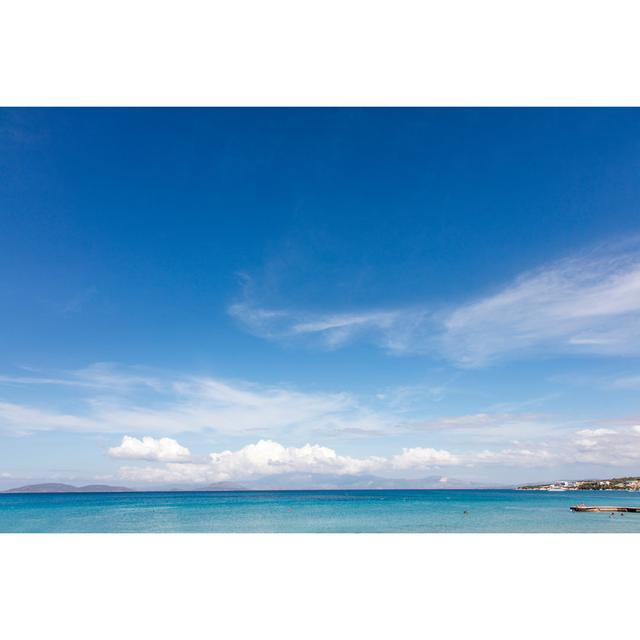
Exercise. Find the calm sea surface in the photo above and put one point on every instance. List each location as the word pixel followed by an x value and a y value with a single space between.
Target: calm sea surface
pixel 315 512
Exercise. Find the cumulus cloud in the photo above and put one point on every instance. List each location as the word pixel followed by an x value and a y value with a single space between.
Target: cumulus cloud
pixel 147 448
pixel 267 457
pixel 588 303
pixel 423 457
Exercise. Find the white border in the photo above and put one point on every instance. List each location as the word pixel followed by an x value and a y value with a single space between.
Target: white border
pixel 319 52
pixel 317 586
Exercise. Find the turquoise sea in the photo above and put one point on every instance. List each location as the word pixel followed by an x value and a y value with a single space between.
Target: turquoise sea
pixel 438 511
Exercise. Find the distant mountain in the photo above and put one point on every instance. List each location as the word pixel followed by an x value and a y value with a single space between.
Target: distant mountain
pixel 57 487
pixel 284 481
pixel 214 486
pixel 310 481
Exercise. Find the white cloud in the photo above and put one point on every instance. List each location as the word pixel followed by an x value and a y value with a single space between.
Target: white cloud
pixel 161 449
pixel 599 446
pixel 522 456
pixel 387 328
pixel 267 457
pixel 24 418
pixel 137 403
pixel 484 421
pixel 337 329
pixel 588 303
pixel 605 447
pixel 595 433
pixel 110 400
pixel 583 304
pixel 100 375
pixel 171 404
pixel 418 457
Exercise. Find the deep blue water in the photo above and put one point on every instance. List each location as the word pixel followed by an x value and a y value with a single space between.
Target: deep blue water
pixel 315 512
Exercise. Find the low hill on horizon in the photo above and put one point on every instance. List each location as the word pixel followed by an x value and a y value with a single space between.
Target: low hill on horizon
pixel 280 482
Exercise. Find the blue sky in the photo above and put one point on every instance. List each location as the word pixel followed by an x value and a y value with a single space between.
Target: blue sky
pixel 194 295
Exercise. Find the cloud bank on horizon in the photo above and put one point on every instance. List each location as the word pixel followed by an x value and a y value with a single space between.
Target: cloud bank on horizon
pixel 588 303
pixel 173 405
pixel 267 457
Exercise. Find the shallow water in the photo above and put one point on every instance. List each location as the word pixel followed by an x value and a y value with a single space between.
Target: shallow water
pixel 433 511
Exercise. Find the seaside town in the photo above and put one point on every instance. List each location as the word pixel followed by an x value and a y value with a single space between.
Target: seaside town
pixel 613 484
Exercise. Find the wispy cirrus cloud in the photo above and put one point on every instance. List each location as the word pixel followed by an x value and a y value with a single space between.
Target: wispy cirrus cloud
pixel 583 304
pixel 587 303
pixel 106 398
pixel 111 399
pixel 24 418
pixel 389 329
pixel 478 421
pixel 99 376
